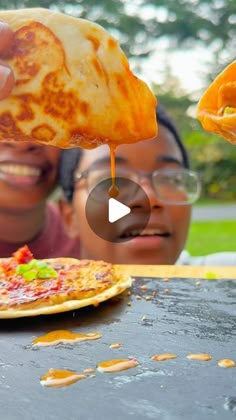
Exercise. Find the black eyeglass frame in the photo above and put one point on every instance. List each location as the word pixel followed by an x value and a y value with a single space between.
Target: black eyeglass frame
pixel 138 175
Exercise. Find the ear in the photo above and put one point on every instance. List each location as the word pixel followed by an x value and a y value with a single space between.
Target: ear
pixel 68 217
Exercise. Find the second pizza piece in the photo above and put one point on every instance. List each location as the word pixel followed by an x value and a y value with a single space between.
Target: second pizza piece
pixel 217 107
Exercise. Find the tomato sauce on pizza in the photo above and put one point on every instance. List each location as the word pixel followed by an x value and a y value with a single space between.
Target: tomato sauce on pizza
pixel 33 287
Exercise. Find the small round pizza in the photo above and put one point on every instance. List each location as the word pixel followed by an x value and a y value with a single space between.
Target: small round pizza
pixel 74 86
pixel 31 287
pixel 217 108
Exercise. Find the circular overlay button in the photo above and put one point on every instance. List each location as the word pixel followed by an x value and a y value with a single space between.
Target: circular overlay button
pixel 120 218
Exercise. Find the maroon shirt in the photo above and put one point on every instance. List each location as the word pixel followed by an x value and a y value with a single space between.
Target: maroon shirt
pixel 52 242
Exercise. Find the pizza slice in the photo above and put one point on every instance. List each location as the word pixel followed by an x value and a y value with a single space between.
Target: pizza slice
pixel 31 287
pixel 217 108
pixel 74 86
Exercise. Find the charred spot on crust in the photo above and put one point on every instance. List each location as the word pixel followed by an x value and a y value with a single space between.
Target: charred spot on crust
pixel 97 65
pixel 111 43
pixel 52 83
pixel 8 127
pixel 84 108
pixel 25 113
pixel 29 40
pixel 57 102
pixel 43 132
pixel 95 41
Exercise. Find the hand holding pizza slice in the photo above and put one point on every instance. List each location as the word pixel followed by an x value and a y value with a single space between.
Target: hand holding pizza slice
pixel 217 107
pixel 73 84
pixel 6 75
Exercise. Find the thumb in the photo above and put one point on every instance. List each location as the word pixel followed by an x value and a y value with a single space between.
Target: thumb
pixel 7 81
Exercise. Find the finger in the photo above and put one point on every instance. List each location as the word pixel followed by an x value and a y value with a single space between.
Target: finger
pixel 7 81
pixel 6 36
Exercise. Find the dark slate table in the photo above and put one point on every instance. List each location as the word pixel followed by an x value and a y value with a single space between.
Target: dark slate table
pixel 186 318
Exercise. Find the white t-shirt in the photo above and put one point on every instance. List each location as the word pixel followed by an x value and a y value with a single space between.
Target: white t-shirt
pixel 218 258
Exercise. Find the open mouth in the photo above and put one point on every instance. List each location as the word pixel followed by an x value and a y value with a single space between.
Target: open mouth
pixel 22 175
pixel 134 233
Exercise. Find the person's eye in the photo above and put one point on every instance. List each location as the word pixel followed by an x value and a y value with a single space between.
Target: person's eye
pixel 174 179
pixel 177 179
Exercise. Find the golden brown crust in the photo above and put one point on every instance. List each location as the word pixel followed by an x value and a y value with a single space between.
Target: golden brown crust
pixel 217 108
pixel 71 93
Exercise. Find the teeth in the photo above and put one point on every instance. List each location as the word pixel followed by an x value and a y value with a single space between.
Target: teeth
pixel 20 170
pixel 135 232
pixel 151 232
pixel 145 232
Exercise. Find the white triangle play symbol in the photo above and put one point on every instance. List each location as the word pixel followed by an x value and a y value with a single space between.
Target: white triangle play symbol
pixel 116 210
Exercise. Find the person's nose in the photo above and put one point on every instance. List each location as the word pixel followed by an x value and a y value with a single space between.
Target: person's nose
pixel 148 188
pixel 146 191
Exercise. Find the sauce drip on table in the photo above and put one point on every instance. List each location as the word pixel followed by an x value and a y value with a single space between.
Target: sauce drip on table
pixel 117 365
pixel 62 336
pixel 199 356
pixel 163 356
pixel 226 363
pixel 59 378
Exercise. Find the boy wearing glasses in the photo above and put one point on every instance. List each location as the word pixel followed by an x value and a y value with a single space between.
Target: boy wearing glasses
pixel 161 167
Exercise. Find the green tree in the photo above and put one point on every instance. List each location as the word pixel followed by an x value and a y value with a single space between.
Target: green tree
pixel 138 24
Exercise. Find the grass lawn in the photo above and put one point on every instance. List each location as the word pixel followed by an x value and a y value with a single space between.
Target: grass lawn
pixel 209 237
pixel 210 202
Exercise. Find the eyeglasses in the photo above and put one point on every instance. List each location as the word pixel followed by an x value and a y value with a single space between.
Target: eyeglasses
pixel 171 185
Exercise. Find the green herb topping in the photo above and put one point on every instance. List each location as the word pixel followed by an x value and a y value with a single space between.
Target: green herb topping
pixel 36 270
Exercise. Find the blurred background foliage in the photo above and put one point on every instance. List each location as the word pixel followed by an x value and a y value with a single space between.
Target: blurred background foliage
pixel 182 25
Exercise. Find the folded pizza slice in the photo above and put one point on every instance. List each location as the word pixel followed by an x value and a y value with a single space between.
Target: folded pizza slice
pixel 217 108
pixel 74 85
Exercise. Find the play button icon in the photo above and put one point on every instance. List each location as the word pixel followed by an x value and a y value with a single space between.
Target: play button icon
pixel 117 210
pixel 117 219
